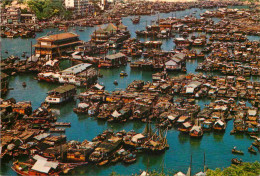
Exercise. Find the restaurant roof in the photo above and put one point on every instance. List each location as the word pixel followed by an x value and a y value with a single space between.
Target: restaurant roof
pixel 55 37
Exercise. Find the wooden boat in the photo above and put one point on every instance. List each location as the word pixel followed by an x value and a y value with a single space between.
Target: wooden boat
pixel 239 152
pixel 102 163
pixel 123 73
pixel 115 82
pixel 62 124
pixel 136 20
pixel 252 150
pixel 57 130
pixel 196 132
pixel 219 126
pixel 236 161
pixel 130 158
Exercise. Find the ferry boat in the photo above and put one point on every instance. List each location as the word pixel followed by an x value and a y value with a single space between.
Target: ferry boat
pixel 61 94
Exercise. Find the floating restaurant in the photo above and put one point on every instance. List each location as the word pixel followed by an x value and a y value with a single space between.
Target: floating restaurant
pixel 54 46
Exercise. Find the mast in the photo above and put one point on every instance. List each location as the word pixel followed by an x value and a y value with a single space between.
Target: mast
pixel 31 50
pixel 205 167
pixel 189 169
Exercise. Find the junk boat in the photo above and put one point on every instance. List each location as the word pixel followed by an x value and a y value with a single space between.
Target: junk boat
pixel 61 94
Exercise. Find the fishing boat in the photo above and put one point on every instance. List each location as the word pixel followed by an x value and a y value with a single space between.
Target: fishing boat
pixel 207 125
pixel 196 132
pixel 219 125
pixel 115 82
pixel 41 167
pixel 57 130
pixel 156 143
pixel 102 163
pixel 123 73
pixel 239 152
pixel 24 84
pixel 129 159
pixel 236 161
pixel 252 150
pixel 185 127
pixel 136 20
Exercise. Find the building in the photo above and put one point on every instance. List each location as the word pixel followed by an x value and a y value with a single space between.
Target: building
pixel 53 46
pixel 11 16
pixel 61 94
pixel 80 75
pixel 28 18
pixel 113 60
pixel 102 35
pixel 79 7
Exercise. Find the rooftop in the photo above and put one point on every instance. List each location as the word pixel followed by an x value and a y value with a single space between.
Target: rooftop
pixel 61 36
pixel 64 88
pixel 77 68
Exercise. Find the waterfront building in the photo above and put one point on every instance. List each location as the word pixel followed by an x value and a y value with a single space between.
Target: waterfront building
pixel 61 94
pixel 53 46
pixel 11 16
pixel 81 74
pixel 113 60
pixel 28 18
pixel 102 35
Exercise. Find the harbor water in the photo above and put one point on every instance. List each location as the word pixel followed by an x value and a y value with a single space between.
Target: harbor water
pixel 217 147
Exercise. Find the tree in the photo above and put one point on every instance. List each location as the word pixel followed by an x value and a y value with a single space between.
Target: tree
pixel 45 9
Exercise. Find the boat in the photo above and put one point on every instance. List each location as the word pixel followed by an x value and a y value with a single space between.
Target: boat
pixel 24 84
pixel 102 163
pixel 136 20
pixel 115 82
pixel 252 150
pixel 129 159
pixel 41 167
pixel 196 132
pixel 123 73
pixel 239 152
pixel 81 30
pixel 57 130
pixel 236 161
pixel 219 125
pixel 61 94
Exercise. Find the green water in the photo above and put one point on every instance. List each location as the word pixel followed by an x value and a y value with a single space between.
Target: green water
pixel 216 146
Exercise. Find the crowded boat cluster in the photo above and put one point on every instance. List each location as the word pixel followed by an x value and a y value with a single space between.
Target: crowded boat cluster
pixel 159 101
pixel 30 133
